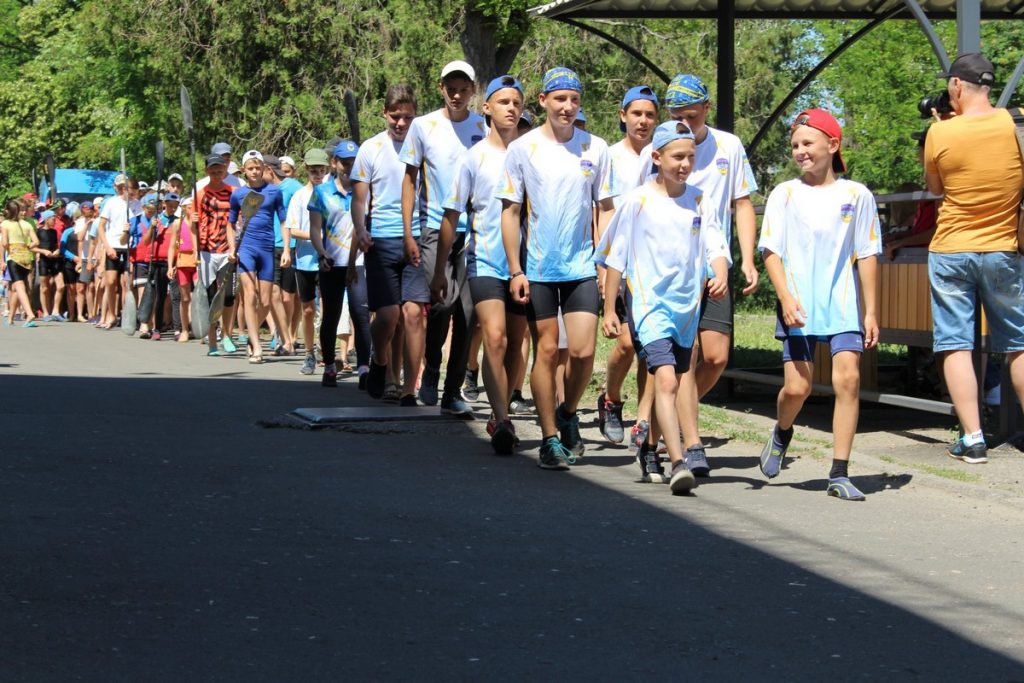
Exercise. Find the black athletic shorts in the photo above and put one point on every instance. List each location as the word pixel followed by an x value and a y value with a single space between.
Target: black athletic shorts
pixel 305 284
pixel 17 272
pixel 494 289
pixel 50 266
pixel 283 277
pixel 115 264
pixel 577 296
pixel 70 274
pixel 716 314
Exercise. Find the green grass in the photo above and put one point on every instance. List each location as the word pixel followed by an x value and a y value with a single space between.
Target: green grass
pixel 944 472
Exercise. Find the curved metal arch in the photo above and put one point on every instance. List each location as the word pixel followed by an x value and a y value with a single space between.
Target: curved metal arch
pixel 929 31
pixel 813 73
pixel 629 49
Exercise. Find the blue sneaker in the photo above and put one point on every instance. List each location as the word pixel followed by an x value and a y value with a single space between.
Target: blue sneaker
pixel 681 480
pixel 274 343
pixel 457 407
pixel 772 455
pixel 555 456
pixel 229 346
pixel 569 431
pixel 697 460
pixel 428 387
pixel 843 489
pixel 30 323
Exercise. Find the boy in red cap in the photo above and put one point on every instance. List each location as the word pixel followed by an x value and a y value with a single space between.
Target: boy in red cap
pixel 819 238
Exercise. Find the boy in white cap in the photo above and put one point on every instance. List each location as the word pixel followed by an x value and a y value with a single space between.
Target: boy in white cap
pixel 561 173
pixel 662 239
pixel 433 147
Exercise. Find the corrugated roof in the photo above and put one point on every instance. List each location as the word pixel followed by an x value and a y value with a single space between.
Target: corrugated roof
pixel 583 9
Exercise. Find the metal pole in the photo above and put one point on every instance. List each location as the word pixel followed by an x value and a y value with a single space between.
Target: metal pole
pixel 1011 85
pixel 725 106
pixel 968 26
pixel 929 31
pixel 626 47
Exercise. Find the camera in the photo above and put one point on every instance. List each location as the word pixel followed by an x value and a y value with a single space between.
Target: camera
pixel 940 103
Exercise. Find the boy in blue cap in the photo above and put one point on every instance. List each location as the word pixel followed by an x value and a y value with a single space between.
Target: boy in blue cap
pixel 662 239
pixel 479 174
pixel 637 120
pixel 819 240
pixel 565 172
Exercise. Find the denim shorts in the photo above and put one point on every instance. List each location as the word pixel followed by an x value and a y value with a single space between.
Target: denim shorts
pixel 958 281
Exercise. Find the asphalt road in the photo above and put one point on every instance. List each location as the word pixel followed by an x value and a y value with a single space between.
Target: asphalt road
pixel 159 524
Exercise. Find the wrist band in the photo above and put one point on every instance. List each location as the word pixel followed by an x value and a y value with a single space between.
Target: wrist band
pixel 517 274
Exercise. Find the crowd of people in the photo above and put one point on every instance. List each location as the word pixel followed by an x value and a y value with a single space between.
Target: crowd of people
pixel 487 232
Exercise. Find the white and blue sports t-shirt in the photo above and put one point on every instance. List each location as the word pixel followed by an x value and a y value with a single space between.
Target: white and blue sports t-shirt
pixel 662 246
pixel 479 174
pixel 721 171
pixel 378 165
pixel 288 187
pixel 434 145
pixel 819 233
pixel 625 170
pixel 334 206
pixel 558 184
pixel 298 219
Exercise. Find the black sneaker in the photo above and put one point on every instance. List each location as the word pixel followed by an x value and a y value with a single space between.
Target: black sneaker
pixel 408 401
pixel 362 381
pixel 519 405
pixel 330 378
pixel 503 440
pixel 972 455
pixel 569 431
pixel 651 471
pixel 470 388
pixel 376 380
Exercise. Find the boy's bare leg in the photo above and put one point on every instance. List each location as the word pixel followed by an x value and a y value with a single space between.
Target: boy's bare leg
pixel 846 383
pixel 797 387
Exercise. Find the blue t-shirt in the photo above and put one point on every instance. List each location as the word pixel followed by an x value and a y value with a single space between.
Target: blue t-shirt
pixel 288 187
pixel 260 231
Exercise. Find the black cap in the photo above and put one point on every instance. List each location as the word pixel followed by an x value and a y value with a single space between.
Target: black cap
pixel 274 162
pixel 215 160
pixel 973 68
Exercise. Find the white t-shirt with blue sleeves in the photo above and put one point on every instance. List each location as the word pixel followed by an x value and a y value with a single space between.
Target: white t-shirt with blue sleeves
pixel 820 233
pixel 434 145
pixel 559 183
pixel 377 164
pixel 662 246
pixel 480 172
pixel 625 169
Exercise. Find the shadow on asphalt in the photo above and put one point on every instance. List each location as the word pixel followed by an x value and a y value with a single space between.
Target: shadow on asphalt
pixel 152 532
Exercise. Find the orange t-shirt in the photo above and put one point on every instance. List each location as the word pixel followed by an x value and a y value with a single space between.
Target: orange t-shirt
pixel 980 165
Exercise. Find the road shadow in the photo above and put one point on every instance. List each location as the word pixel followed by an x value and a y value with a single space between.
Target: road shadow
pixel 158 534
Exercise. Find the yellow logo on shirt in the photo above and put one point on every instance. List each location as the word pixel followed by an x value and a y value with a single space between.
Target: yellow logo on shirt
pixel 587 167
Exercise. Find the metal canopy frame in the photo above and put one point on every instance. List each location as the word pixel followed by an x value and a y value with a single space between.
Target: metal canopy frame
pixel 968 16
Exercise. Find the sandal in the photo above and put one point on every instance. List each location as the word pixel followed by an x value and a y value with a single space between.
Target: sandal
pixel 256 360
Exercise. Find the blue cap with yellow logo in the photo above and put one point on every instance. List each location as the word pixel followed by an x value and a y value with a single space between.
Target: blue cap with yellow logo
pixel 561 78
pixel 684 90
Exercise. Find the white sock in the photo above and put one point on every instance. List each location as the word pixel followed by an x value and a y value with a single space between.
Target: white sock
pixel 974 438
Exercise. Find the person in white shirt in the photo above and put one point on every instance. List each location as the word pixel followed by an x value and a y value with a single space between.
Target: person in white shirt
pixel 819 240
pixel 564 173
pixel 432 148
pixel 113 246
pixel 662 239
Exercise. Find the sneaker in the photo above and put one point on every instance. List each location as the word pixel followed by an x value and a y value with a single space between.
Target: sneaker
pixel 392 393
pixel 519 405
pixel 470 388
pixel 611 423
pixel 156 336
pixel 274 343
pixel 408 401
pixel 569 431
pixel 376 379
pixel 362 381
pixel 503 439
pixel 30 323
pixel 697 461
pixel 309 365
pixel 229 346
pixel 451 405
pixel 492 424
pixel 554 456
pixel 242 338
pixel 682 479
pixel 651 471
pixel 843 489
pixel 638 435
pixel 330 378
pixel 972 455
pixel 428 387
pixel 59 318
pixel 773 455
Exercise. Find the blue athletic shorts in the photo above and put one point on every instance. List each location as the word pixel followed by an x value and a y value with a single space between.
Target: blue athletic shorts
pixel 257 260
pixel 801 347
pixel 390 280
pixel 959 281
pixel 666 352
